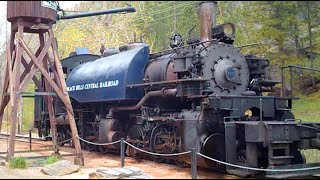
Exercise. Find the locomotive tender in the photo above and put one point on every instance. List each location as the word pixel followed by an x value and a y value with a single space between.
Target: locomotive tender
pixel 204 95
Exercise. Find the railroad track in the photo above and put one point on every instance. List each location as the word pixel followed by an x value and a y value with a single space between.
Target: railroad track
pixel 22 138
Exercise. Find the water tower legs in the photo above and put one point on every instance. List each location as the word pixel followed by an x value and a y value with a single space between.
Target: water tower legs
pixel 16 80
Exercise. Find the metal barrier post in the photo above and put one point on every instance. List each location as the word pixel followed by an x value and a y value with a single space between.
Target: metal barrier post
pixel 260 109
pixel 194 163
pixel 122 152
pixel 30 139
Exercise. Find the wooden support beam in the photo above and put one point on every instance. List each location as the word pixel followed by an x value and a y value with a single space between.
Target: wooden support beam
pixel 70 113
pixel 54 70
pixel 13 95
pixel 40 61
pixel 4 99
pixel 11 54
pixel 28 66
pixel 34 78
pixel 34 69
pixel 46 75
pixel 50 109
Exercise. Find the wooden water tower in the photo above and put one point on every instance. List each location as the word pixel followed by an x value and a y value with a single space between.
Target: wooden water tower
pixel 36 17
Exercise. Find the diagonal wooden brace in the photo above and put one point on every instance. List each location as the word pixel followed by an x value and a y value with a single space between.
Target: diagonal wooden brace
pixel 47 76
pixel 40 57
pixel 35 80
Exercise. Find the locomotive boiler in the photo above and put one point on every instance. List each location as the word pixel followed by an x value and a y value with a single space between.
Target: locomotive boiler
pixel 202 93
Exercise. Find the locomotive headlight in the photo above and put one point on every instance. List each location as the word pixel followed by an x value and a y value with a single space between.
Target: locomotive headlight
pixel 229 30
pixel 226 30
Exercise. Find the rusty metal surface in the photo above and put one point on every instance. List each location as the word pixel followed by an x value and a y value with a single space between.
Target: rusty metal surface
pixel 170 75
pixel 207 19
pixel 163 92
pixel 169 82
pixel 160 69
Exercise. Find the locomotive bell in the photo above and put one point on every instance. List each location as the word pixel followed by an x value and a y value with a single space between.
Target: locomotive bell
pixel 176 41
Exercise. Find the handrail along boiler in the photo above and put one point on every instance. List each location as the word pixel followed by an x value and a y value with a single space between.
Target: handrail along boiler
pixel 204 95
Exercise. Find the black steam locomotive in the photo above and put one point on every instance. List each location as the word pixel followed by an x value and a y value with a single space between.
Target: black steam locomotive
pixel 203 94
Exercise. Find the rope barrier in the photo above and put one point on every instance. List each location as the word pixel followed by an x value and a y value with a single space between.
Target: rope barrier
pixel 105 144
pixel 258 169
pixel 204 156
pixel 64 141
pixel 157 154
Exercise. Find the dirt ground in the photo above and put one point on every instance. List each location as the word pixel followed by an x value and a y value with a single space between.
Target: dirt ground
pixel 94 160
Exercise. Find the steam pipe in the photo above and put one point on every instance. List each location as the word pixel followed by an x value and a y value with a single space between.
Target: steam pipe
pixel 163 92
pixel 96 13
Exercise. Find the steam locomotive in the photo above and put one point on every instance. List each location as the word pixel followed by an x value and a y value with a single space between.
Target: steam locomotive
pixel 203 94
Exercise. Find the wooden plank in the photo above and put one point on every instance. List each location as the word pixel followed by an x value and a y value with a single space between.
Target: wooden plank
pixel 31 11
pixel 34 78
pixel 4 99
pixel 34 69
pixel 28 67
pixel 70 114
pixel 54 70
pixel 49 99
pixel 13 95
pixel 37 83
pixel 51 115
pixel 44 73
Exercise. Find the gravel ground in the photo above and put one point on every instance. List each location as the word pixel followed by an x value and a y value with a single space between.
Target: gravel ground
pixel 96 160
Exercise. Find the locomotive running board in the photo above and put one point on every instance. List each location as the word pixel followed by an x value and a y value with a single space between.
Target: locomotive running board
pixel 294 174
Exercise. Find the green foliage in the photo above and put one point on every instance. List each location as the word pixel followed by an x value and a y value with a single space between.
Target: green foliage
pixel 28 109
pixel 154 21
pixel 281 28
pixel 52 159
pixel 307 109
pixel 18 163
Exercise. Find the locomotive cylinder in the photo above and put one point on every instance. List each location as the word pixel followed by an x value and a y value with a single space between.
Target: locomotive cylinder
pixel 110 131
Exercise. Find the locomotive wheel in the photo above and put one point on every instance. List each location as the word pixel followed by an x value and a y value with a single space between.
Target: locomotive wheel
pixel 138 133
pixel 69 135
pixel 134 153
pixel 214 147
pixel 103 149
pixel 157 159
pixel 180 163
pixel 89 147
pixel 156 140
pixel 60 138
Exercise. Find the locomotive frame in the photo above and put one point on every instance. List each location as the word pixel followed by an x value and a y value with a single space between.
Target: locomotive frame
pixel 205 95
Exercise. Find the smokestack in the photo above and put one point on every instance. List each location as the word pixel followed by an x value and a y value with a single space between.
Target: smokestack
pixel 207 17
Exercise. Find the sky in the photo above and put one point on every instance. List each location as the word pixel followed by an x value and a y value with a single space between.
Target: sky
pixel 4 22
